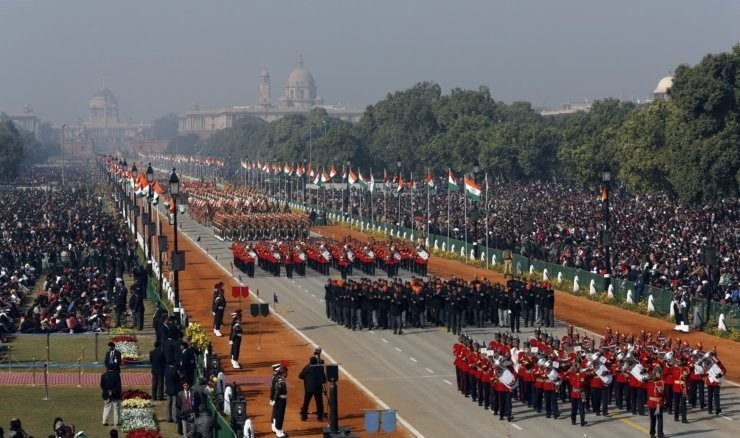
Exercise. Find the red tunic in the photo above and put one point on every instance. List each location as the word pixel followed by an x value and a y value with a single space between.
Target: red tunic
pixel 655 390
pixel 577 382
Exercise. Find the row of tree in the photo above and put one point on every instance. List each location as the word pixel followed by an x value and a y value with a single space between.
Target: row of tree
pixel 688 145
pixel 19 147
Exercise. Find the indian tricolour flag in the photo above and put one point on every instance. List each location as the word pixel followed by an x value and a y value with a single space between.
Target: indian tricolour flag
pixel 429 181
pixel 352 178
pixel 472 189
pixel 361 180
pixel 452 182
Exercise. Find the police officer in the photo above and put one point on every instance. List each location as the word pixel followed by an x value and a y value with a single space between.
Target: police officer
pixel 280 401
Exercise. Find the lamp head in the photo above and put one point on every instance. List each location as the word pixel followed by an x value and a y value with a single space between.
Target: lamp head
pixel 174 183
pixel 149 173
pixel 606 174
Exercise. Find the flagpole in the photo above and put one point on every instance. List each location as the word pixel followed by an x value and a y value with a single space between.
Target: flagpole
pixel 429 219
pixel 449 193
pixel 372 189
pixel 486 213
pixel 465 213
pixel 412 219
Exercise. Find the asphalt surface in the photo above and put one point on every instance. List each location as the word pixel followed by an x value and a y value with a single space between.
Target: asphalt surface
pixel 413 372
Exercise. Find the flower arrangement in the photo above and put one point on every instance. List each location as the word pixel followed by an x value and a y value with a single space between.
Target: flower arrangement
pixel 197 336
pixel 135 393
pixel 143 434
pixel 128 346
pixel 138 416
pixel 120 331
pixel 136 402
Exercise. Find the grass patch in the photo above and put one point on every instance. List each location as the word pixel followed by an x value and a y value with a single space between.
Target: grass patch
pixel 67 349
pixel 82 407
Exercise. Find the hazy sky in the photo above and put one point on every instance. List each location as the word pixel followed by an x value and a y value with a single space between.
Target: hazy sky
pixel 161 55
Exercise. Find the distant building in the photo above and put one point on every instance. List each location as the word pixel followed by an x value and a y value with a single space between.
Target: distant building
pixel 299 97
pixel 568 108
pixel 103 130
pixel 661 90
pixel 26 120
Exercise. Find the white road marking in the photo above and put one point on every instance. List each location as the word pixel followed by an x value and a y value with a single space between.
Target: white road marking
pixel 726 417
pixel 371 332
pixel 429 371
pixel 398 349
pixel 412 359
pixel 321 301
pixel 516 426
pixel 447 382
pixel 313 295
pixel 384 340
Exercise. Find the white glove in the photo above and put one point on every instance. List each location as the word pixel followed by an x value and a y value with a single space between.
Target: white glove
pixel 272 402
pixel 213 313
pixel 231 342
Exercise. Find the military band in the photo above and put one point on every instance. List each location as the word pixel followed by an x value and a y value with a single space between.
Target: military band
pixel 544 371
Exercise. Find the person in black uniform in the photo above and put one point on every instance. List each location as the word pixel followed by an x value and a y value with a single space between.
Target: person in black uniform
pixel 515 305
pixel 235 338
pixel 187 363
pixel 280 401
pixel 156 359
pixel 113 358
pixel 219 305
pixel 313 377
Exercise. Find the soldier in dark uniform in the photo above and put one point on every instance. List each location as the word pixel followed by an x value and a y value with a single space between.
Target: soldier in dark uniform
pixel 515 303
pixel 280 401
pixel 328 299
pixel 219 305
pixel 235 338
pixel 397 307
pixel 288 262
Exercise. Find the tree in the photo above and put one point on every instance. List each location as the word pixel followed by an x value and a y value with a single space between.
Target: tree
pixel 165 127
pixel 11 148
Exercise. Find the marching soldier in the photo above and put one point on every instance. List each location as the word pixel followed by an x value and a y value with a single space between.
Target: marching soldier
pixel 235 338
pixel 577 380
pixel 713 382
pixel 655 402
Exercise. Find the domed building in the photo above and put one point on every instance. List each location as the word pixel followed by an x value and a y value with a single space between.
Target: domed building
pixel 661 90
pixel 300 90
pixel 103 108
pixel 299 97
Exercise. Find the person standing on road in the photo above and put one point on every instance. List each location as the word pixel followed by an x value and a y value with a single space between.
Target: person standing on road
pixel 219 305
pixel 313 384
pixel 280 401
pixel 655 402
pixel 235 338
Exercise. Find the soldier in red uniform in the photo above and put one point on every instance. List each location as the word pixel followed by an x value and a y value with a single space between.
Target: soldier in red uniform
pixel 655 401
pixel 713 382
pixel 577 381
pixel 549 387
pixel 680 376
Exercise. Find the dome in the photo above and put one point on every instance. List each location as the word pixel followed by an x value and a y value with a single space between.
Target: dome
pixel 663 85
pixel 300 76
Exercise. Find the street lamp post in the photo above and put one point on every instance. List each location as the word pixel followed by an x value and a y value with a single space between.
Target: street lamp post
pixel 124 192
pixel 709 259
pixel 134 174
pixel 61 149
pixel 149 196
pixel 175 191
pixel 348 213
pixel 606 237
pixel 398 165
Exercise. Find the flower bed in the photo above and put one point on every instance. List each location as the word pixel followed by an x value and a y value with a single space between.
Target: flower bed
pixel 137 415
pixel 128 346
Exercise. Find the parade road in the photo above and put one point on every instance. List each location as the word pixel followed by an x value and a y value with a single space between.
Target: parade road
pixel 413 372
